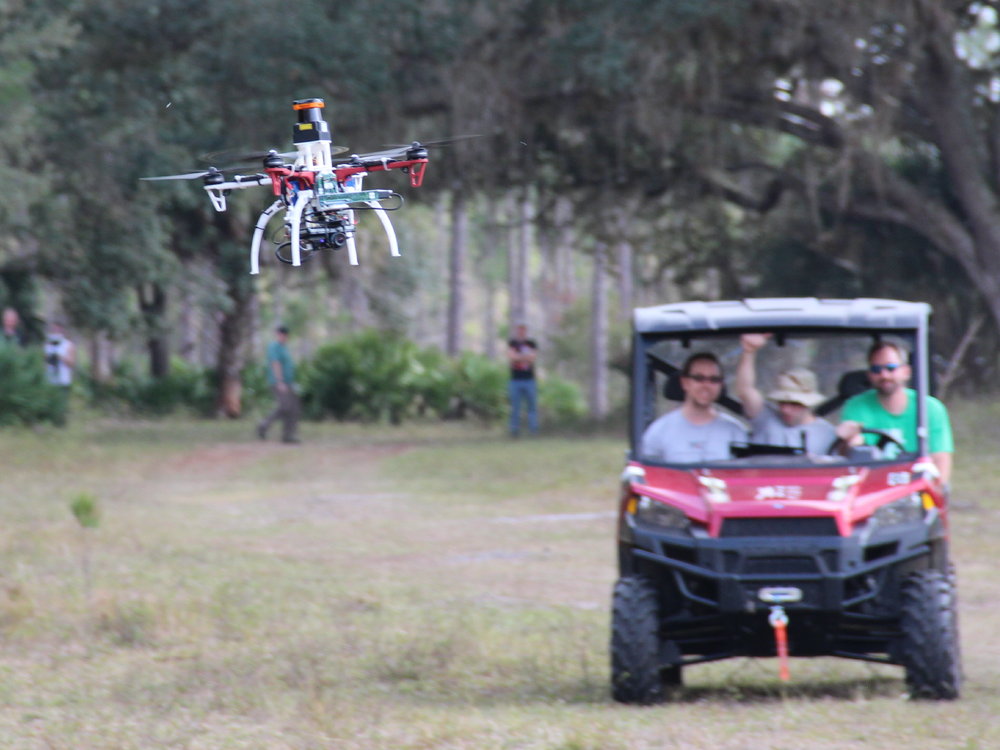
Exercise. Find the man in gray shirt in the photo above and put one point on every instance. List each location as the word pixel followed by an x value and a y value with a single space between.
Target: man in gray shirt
pixel 697 431
pixel 788 419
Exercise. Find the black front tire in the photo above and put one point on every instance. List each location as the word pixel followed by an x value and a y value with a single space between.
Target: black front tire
pixel 635 643
pixel 929 646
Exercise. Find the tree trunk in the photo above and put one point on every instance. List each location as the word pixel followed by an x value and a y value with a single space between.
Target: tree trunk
pixel 456 272
pixel 233 332
pixel 524 253
pixel 547 295
pixel 236 321
pixel 599 337
pixel 489 320
pixel 153 304
pixel 565 266
pixel 100 358
pixel 489 253
pixel 516 301
pixel 625 286
pixel 188 327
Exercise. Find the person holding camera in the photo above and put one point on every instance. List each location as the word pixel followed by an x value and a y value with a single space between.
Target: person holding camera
pixel 60 358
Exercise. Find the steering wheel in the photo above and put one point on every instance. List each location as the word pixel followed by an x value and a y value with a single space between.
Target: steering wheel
pixel 840 446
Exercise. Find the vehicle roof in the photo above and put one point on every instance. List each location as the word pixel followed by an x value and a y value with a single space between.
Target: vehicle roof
pixel 777 312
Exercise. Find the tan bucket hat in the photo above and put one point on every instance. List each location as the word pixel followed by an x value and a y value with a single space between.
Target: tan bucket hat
pixel 797 386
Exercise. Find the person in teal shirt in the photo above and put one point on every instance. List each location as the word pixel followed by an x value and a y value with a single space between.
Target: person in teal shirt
pixel 281 376
pixel 892 407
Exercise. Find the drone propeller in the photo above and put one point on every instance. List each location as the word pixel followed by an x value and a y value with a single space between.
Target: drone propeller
pixel 440 143
pixel 232 156
pixel 189 175
pixel 406 150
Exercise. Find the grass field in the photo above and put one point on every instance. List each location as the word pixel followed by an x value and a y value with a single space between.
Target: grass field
pixel 428 586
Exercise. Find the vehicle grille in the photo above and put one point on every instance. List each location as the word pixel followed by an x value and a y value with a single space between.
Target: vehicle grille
pixel 779 566
pixel 794 526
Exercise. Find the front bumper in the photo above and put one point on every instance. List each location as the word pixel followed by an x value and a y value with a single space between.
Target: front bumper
pixel 834 573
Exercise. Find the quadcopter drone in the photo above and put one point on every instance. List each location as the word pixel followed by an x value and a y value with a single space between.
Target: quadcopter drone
pixel 319 195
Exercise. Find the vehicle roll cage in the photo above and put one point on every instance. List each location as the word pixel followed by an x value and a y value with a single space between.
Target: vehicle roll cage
pixel 912 328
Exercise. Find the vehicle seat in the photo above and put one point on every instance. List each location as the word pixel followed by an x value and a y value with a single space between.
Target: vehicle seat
pixel 851 384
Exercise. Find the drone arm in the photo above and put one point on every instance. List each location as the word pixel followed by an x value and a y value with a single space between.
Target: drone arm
pixel 217 193
pixel 387 225
pixel 414 166
pixel 258 235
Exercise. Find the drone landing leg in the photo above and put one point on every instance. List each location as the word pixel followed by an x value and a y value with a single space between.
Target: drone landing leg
pixel 295 214
pixel 258 235
pixel 387 225
pixel 352 250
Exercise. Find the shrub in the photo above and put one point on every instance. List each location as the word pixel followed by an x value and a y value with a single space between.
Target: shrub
pixel 370 375
pixel 481 386
pixel 561 401
pixel 434 381
pixel 327 381
pixel 26 397
pixel 185 386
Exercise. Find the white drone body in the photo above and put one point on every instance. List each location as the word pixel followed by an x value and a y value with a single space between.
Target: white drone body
pixel 320 198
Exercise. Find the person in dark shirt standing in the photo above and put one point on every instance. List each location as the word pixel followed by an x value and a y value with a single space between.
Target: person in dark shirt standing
pixel 281 376
pixel 521 352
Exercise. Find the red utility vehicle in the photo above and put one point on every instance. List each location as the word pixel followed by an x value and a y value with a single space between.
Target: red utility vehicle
pixel 849 548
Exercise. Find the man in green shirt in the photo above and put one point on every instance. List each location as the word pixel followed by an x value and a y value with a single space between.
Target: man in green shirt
pixel 281 376
pixel 892 407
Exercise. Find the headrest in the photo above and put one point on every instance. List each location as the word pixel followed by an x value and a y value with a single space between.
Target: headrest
pixel 851 384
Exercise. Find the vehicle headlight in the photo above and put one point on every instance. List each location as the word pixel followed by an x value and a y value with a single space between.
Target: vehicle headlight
pixel 905 510
pixel 656 513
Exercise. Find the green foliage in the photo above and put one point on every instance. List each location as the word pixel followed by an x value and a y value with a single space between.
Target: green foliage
pixel 374 375
pixel 184 387
pixel 369 375
pixel 481 386
pixel 86 510
pixel 327 381
pixel 561 401
pixel 26 397
pixel 143 395
pixel 434 381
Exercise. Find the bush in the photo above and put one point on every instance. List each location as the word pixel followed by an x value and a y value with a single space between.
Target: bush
pixel 481 386
pixel 434 381
pixel 26 397
pixel 184 385
pixel 370 375
pixel 561 401
pixel 373 375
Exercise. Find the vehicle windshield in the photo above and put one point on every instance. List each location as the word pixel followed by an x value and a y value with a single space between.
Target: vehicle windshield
pixel 773 398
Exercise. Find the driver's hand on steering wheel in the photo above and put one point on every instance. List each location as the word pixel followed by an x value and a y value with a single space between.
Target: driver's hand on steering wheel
pixel 850 432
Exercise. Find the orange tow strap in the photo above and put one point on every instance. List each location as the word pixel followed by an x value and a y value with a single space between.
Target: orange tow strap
pixel 779 621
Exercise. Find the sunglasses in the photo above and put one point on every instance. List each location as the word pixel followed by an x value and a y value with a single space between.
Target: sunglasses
pixel 714 379
pixel 891 367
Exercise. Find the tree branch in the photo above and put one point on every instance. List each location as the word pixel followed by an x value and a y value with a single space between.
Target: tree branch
pixel 788 117
pixel 956 358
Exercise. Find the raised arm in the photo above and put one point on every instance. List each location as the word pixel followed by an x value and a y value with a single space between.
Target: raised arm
pixel 746 374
